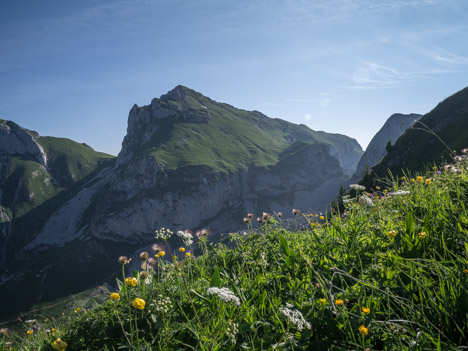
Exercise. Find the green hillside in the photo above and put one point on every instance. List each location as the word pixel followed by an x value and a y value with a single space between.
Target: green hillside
pixel 432 141
pixel 204 132
pixel 390 273
pixel 28 184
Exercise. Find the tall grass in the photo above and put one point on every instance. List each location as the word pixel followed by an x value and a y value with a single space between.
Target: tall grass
pixel 390 272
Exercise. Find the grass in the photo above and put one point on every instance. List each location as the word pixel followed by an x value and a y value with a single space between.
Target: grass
pixel 387 274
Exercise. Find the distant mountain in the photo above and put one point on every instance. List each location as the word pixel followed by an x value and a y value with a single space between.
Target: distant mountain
pixel 395 126
pixel 420 147
pixel 186 162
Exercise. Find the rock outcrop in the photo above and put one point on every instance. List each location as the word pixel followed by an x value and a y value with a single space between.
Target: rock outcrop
pixel 393 128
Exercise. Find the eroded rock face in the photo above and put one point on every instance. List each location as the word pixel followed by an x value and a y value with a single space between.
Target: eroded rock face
pixel 15 140
pixel 393 128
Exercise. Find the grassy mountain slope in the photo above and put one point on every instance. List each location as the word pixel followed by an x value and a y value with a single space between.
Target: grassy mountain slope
pixel 388 275
pixel 202 132
pixel 28 184
pixel 420 146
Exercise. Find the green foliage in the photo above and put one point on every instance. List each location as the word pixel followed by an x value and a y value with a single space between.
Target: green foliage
pixel 391 274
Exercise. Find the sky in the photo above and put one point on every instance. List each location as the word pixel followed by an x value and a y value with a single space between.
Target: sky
pixel 75 68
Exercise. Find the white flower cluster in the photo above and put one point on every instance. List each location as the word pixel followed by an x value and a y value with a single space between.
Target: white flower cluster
pixel 163 304
pixel 296 318
pixel 224 294
pixel 366 201
pixel 186 237
pixel 163 234
pixel 357 187
pixel 231 331
pixel 400 192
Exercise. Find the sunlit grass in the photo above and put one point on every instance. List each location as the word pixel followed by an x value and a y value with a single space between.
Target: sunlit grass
pixel 390 272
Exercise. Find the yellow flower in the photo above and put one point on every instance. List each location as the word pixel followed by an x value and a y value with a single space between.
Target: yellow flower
pixel 322 218
pixel 316 215
pixel 59 345
pixel 428 181
pixel 52 330
pixel 138 303
pixel 30 331
pixel 422 235
pixel 131 281
pixel 339 302
pixel 403 178
pixel 434 168
pixel 364 331
pixel 181 249
pixel 162 253
pixel 187 254
pixel 377 187
pixel 385 191
pixel 312 224
pixel 366 310
pixel 392 234
pixel 114 296
pixel 419 179
pixel 377 197
pixel 412 180
pixel 322 301
pixel 465 271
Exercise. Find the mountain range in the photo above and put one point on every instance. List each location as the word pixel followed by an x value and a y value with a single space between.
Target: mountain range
pixel 187 162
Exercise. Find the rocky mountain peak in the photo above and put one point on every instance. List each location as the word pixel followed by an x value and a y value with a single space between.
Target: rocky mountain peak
pixel 179 93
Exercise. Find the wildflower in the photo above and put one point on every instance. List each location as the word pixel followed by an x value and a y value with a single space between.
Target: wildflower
pixel 247 220
pixel 377 187
pixel 339 302
pixel 412 180
pixel 295 317
pixel 322 218
pixel 364 200
pixel 385 191
pixel 357 187
pixel 250 215
pixel 280 215
pixel 161 254
pixel 156 248
pixel 403 178
pixel 4 331
pixel 114 296
pixel 400 192
pixel 366 310
pixel 131 281
pixel 181 249
pixel 465 271
pixel 419 179
pixel 77 310
pixel 363 330
pixel 152 261
pixel 224 294
pixel 30 331
pixel 259 219
pixel 52 330
pixel 187 254
pixel 391 233
pixel 59 345
pixel 163 305
pixel 295 211
pixel 422 235
pixel 312 224
pixel 138 303
pixel 123 260
pixel 186 237
pixel 163 234
pixel 143 275
pixel 144 255
pixel 231 331
pixel 322 301
pixel 428 181
pixel 434 168
pixel 265 216
pixel 203 232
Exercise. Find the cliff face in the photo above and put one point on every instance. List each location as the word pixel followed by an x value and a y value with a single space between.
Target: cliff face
pixel 393 128
pixel 430 142
pixel 186 162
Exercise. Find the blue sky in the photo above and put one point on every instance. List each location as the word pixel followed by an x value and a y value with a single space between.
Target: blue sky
pixel 75 68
